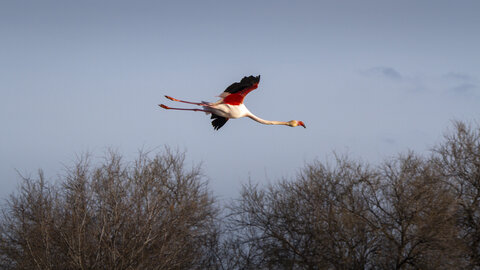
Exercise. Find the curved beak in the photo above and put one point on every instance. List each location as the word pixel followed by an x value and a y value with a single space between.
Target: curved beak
pixel 302 124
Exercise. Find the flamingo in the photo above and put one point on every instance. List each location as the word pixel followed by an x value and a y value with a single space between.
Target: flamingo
pixel 230 105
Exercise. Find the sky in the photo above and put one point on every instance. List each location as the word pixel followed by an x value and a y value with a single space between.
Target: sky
pixel 370 79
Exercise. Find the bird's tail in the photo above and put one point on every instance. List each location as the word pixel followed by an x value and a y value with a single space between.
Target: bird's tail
pixel 207 108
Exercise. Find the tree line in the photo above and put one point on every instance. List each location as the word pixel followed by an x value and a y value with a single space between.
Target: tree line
pixel 409 212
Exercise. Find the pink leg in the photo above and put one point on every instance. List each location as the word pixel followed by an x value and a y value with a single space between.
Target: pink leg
pixel 181 109
pixel 188 102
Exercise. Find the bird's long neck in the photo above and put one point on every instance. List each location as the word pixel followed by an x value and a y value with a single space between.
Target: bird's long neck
pixel 266 122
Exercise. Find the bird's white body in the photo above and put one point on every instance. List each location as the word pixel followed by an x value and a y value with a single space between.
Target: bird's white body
pixel 227 110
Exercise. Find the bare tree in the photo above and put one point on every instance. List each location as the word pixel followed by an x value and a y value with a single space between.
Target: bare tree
pixel 149 214
pixel 414 216
pixel 400 215
pixel 409 212
pixel 26 230
pixel 315 222
pixel 458 159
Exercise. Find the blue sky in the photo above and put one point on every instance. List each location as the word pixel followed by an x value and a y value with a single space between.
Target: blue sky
pixel 369 78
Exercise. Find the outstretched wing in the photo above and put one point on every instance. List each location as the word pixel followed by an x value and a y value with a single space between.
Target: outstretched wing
pixel 235 93
pixel 218 121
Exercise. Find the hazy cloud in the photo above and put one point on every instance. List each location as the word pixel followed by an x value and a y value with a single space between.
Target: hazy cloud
pixel 464 88
pixel 389 140
pixel 458 76
pixel 384 72
pixel 456 82
pixel 461 83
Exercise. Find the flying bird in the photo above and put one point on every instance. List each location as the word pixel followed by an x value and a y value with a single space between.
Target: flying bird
pixel 230 105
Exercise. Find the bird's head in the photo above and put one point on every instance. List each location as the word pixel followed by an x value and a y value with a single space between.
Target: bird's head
pixel 295 123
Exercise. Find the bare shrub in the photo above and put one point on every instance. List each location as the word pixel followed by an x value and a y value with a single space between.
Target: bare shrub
pixel 149 214
pixel 414 216
pixel 400 215
pixel 314 222
pixel 458 159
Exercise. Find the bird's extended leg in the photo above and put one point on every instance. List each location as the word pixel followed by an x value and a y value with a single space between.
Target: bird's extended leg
pixel 182 109
pixel 188 102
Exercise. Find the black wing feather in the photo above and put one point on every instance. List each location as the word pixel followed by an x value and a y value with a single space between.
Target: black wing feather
pixel 246 82
pixel 218 121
